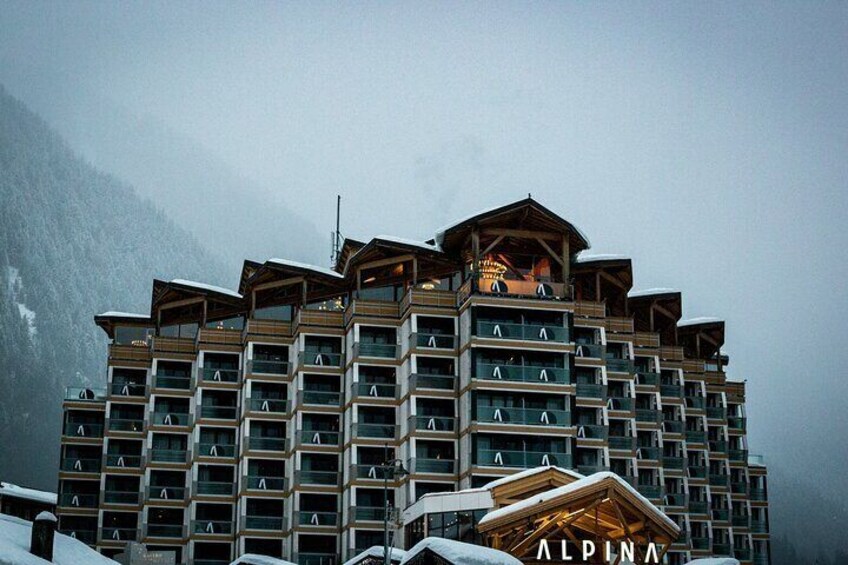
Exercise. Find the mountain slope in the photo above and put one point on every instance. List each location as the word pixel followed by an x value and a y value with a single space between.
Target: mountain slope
pixel 73 242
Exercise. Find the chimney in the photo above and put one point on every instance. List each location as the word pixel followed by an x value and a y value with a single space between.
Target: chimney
pixel 43 530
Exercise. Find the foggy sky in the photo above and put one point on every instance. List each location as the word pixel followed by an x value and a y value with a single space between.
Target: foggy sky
pixel 707 141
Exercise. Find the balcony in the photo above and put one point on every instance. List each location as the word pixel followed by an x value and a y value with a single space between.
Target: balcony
pixel 319 478
pixel 376 350
pixel 267 523
pixel 433 341
pixel 432 466
pixel 77 394
pixel 311 558
pixel 422 381
pixel 216 450
pixel 267 367
pixel 80 465
pixel 125 425
pixel 742 553
pixel 319 437
pixel 217 375
pixel 82 430
pixel 590 350
pixel 88 537
pixel 717 446
pixel 675 499
pixel 277 444
pixel 740 521
pixel 522 373
pixel 119 534
pixel 78 500
pixel 520 459
pixel 163 493
pixel 374 472
pixel 319 398
pixel 671 391
pixel 698 507
pixel 158 455
pixel 269 406
pixel 372 513
pixel 591 468
pixel 738 455
pixel 757 494
pixel 212 527
pixel 653 492
pixel 316 518
pixel 649 453
pixel 170 382
pixel 696 472
pixel 647 378
pixel 591 390
pixel 132 497
pixel 648 415
pixel 739 487
pixel 384 391
pixel 620 365
pixel 737 423
pixel 432 423
pixel 521 332
pixel 716 412
pixel 718 480
pixel 523 416
pixel 213 488
pixel 622 443
pixel 256 482
pixel 672 426
pixel 619 403
pixel 374 431
pixel 316 358
pixel 213 412
pixel 592 431
pixel 720 514
pixel 700 543
pixel 128 390
pixel 695 402
pixel 759 527
pixel 696 436
pixel 672 462
pixel 177 531
pixel 171 419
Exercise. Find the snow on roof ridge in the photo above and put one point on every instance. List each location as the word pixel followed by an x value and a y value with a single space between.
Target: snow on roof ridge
pixel 376 551
pixel 9 489
pixel 529 473
pixel 576 485
pixel 461 552
pixel 117 314
pixel 699 320
pixel 412 242
pixel 584 257
pixel 306 266
pixel 651 291
pixel 209 287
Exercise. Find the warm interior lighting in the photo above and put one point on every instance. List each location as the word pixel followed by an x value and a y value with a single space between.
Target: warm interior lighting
pixel 491 269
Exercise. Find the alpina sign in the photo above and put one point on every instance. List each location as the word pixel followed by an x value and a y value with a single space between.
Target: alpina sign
pixel 565 551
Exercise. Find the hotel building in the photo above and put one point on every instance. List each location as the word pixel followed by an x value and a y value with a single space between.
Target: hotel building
pixel 259 420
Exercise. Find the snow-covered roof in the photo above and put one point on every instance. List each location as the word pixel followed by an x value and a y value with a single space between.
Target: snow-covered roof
pixel 8 489
pixel 15 540
pixel 207 287
pixel 114 314
pixel 44 515
pixel 377 551
pixel 306 267
pixel 569 488
pixel 255 559
pixel 461 553
pixel 698 321
pixel 410 242
pixel 589 258
pixel 651 292
pixel 529 473
pixel 714 561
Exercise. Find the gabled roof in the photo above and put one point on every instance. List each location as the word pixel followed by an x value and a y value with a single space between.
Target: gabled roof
pixel 459 553
pixel 176 289
pixel 384 246
pixel 524 213
pixel 107 321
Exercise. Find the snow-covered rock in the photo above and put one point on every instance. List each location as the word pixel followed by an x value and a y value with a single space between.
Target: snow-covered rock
pixel 15 535
pixel 460 553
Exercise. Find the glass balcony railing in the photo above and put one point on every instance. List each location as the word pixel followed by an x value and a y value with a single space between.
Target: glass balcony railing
pixel 267 523
pixel 739 487
pixel 81 429
pixel 620 403
pixel 211 527
pixel 675 499
pixel 673 462
pixel 433 341
pixel 319 437
pixel 427 465
pixel 736 422
pixel 128 389
pixel 171 382
pixel 759 526
pixel 522 373
pixel 593 350
pixel 673 426
pixel 121 497
pixel 740 521
pixel 165 530
pixel 671 391
pixel 423 381
pixel 160 492
pixel 524 332
pixel 649 452
pixel 742 553
pixel 700 543
pixel 520 459
pixel 78 394
pixel 622 443
pixel 267 367
pixel 319 398
pixel 222 450
pixel 78 500
pixel 81 465
pixel 716 412
pixel 372 513
pixel 88 537
pixel 125 425
pixel 376 350
pixel 717 446
pixel 523 416
pixel 720 514
pixel 159 455
pixel 119 534
pixel 314 558
pixel 721 548
pixel 648 415
pixel 316 518
pixel 374 431
pixel 218 375
pixel 757 494
pixel 432 423
pixel 218 412
pixel 277 444
pixel 317 358
pixel 316 477
pixel 738 455
pixel 696 472
pixel 591 390
pixel 647 378
pixel 591 468
pixel 269 405
pixel 696 436
pixel 718 480
pixel 698 506
pixel 258 482
pixel 620 365
pixel 374 390
pixel 177 419
pixel 592 431
pixel 695 402
pixel 654 492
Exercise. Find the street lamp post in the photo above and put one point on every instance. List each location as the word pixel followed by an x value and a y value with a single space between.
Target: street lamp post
pixel 396 468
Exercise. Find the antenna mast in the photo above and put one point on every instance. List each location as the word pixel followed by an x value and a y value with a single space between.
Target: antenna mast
pixel 336 237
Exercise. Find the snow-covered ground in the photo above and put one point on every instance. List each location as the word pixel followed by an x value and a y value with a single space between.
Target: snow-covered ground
pixel 14 288
pixel 15 535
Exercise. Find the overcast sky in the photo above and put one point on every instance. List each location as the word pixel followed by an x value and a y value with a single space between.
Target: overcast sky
pixel 706 140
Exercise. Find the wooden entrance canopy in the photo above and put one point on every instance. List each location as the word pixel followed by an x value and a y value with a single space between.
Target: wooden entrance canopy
pixel 600 508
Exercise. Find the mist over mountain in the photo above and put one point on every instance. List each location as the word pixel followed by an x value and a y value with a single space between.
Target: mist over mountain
pixel 75 242
pixel 193 186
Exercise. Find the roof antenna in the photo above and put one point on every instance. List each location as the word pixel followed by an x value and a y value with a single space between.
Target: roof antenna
pixel 529 195
pixel 336 237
